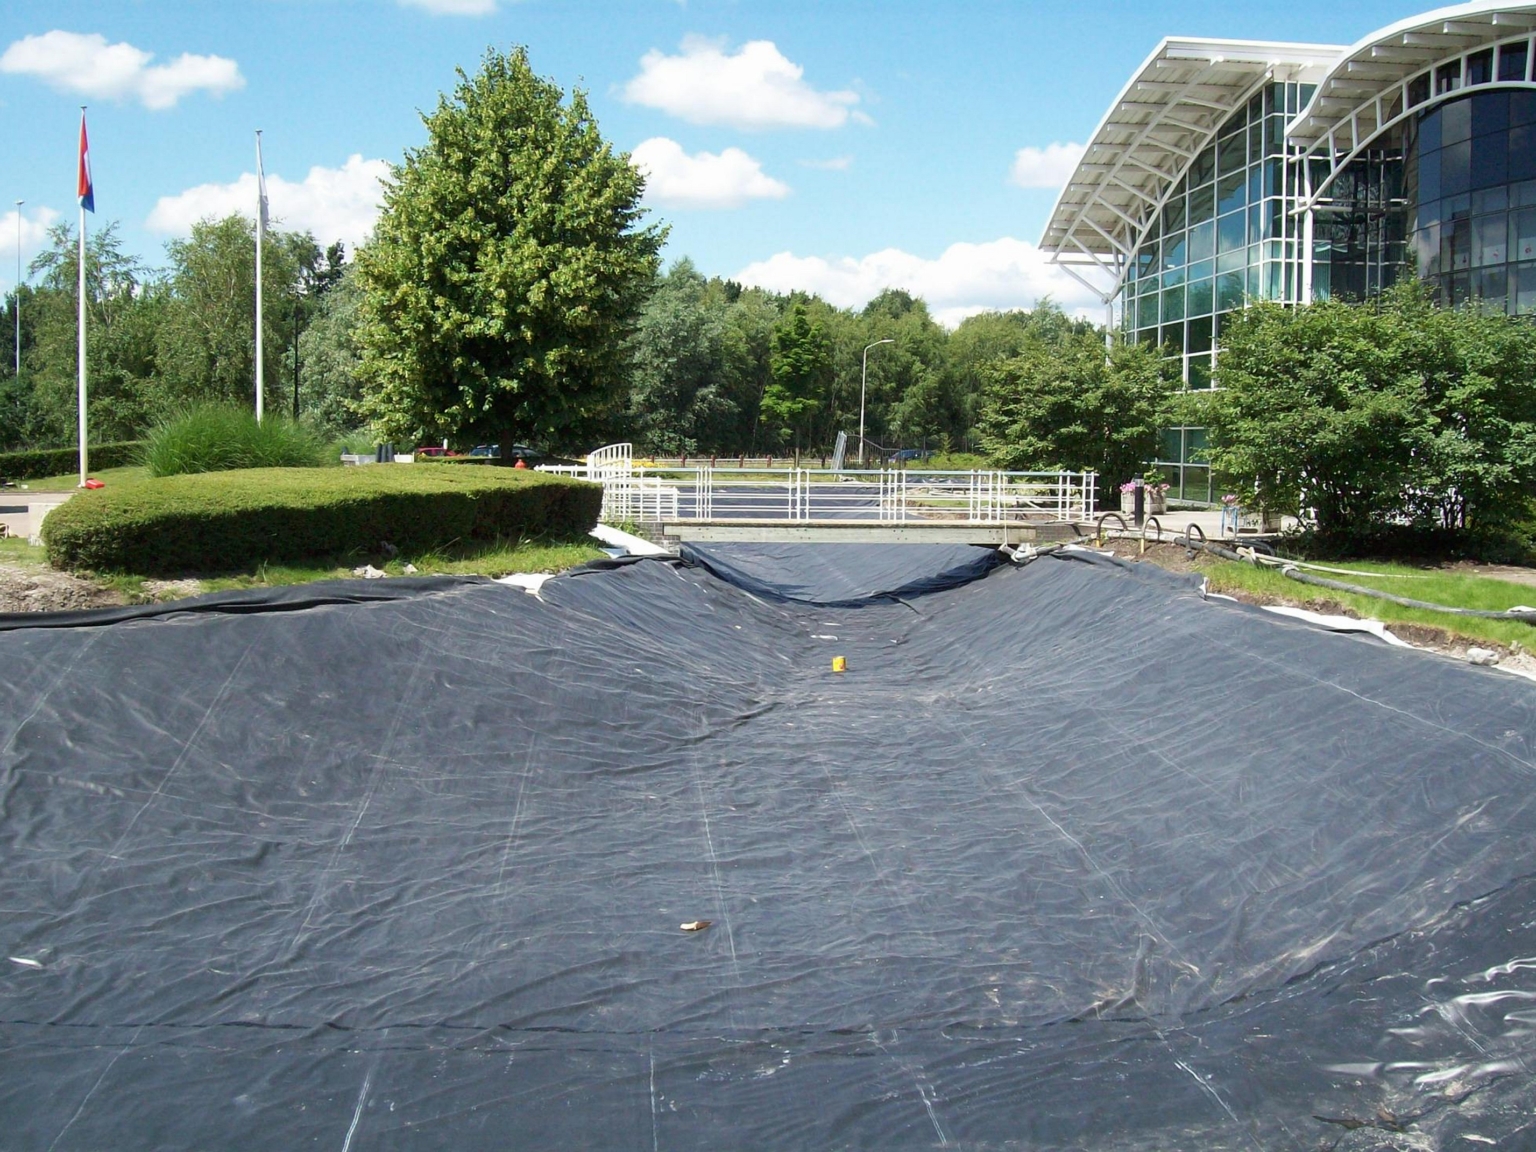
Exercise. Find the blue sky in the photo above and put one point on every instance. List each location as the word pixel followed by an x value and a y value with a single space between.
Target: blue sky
pixel 838 146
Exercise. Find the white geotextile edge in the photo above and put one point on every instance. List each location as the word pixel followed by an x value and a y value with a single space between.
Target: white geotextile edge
pixel 1375 627
pixel 1340 623
pixel 531 582
pixel 634 545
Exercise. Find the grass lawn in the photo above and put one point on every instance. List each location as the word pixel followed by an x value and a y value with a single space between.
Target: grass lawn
pixel 112 477
pixel 1438 586
pixel 501 559
pixel 15 550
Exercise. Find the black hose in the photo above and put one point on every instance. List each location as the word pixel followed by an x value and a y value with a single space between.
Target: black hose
pixel 1529 616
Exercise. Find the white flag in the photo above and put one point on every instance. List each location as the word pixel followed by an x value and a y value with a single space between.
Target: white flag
pixel 261 188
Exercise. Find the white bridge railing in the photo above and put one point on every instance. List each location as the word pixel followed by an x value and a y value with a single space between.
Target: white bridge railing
pixel 887 495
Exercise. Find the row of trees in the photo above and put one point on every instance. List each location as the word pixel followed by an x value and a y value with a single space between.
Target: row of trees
pixel 705 366
pixel 719 368
pixel 160 339
pixel 512 292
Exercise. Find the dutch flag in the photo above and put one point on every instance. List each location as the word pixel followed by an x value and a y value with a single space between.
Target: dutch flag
pixel 86 191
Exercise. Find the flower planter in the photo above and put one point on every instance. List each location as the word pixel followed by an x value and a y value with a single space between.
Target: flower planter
pixel 1156 503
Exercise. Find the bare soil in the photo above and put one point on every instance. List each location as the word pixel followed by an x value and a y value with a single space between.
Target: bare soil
pixel 34 588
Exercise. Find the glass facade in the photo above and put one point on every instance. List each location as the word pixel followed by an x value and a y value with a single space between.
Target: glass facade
pixel 1227 233
pixel 1447 192
pixel 1472 181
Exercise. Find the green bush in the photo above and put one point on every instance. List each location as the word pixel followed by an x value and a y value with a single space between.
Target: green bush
pixel 219 438
pixel 235 520
pixel 1396 419
pixel 33 463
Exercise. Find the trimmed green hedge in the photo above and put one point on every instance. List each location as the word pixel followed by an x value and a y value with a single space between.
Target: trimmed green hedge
pixel 226 521
pixel 33 463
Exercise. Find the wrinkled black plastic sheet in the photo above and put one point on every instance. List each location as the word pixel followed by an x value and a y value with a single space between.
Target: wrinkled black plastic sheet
pixel 846 575
pixel 1069 858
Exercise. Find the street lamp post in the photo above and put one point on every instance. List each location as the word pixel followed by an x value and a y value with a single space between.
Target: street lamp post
pixel 863 386
pixel 19 203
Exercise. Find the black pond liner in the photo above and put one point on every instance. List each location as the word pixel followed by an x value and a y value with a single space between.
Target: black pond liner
pixel 1068 858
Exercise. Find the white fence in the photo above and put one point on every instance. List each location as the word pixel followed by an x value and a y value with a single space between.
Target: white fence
pixel 628 493
pixel 887 495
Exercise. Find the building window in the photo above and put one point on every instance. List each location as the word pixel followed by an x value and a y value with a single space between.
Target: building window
pixel 1471 166
pixel 1512 58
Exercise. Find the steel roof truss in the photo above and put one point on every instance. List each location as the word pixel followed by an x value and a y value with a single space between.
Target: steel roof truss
pixel 1134 191
pixel 1114 242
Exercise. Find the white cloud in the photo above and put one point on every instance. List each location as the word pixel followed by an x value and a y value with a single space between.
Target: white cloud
pixel 674 179
pixel 333 203
pixel 963 280
pixel 88 65
pixel 835 164
pixel 1048 167
pixel 34 228
pixel 452 7
pixel 756 87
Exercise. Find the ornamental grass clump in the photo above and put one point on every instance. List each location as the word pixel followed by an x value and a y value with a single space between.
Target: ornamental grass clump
pixel 219 438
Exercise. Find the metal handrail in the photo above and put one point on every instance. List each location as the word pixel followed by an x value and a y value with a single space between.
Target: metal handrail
pixel 810 495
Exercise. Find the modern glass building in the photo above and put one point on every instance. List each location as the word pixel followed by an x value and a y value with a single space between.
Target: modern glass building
pixel 1227 171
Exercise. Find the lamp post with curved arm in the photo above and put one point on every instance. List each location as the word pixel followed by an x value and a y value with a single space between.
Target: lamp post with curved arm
pixel 863 387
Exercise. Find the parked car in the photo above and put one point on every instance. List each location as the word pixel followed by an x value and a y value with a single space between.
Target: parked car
pixel 433 450
pixel 903 454
pixel 522 452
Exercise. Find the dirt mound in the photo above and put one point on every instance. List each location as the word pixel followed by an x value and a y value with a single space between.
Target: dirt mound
pixel 25 588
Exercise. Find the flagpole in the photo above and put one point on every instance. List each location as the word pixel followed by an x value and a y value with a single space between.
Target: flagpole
pixel 84 451
pixel 260 228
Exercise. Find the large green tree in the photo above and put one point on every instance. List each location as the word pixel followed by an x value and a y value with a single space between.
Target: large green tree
pixel 1065 402
pixel 506 270
pixel 972 350
pixel 801 371
pixel 907 401
pixel 206 346
pixel 329 393
pixel 123 312
pixel 680 391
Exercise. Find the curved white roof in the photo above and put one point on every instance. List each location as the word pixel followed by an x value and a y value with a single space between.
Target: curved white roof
pixel 1355 98
pixel 1161 120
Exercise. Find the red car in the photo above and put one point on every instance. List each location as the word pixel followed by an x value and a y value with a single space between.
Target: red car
pixel 434 450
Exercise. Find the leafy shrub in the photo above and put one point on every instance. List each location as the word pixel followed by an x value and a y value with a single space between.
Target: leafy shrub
pixel 1395 419
pixel 218 438
pixel 33 463
pixel 235 520
pixel 1062 403
pixel 1502 543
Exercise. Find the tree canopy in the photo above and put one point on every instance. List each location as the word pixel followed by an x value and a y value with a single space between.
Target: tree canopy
pixel 801 367
pixel 1396 412
pixel 508 267
pixel 1062 402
